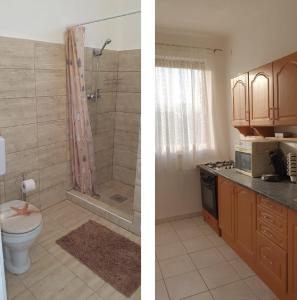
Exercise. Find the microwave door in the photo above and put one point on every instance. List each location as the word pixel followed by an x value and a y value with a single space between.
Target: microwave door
pixel 243 161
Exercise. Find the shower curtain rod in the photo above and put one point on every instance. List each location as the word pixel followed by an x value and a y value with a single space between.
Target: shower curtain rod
pixel 110 18
pixel 184 46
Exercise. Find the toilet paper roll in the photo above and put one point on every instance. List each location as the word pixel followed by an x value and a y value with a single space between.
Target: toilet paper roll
pixel 28 185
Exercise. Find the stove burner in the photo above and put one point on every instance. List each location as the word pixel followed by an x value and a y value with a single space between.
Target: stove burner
pixel 219 165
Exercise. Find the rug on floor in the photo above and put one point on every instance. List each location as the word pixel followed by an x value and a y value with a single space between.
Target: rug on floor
pixel 111 256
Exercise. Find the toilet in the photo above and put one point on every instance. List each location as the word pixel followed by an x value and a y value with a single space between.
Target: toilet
pixel 19 229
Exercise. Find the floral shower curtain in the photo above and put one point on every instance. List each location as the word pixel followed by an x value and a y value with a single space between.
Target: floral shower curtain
pixel 81 140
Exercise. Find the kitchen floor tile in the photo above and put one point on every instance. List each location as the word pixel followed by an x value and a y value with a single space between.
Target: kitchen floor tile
pixel 219 274
pixel 242 268
pixel 207 258
pixel 165 234
pixel 196 244
pixel 228 252
pixel 237 290
pixel 161 292
pixel 202 296
pixel 170 250
pixel 185 285
pixel 158 274
pixel 176 266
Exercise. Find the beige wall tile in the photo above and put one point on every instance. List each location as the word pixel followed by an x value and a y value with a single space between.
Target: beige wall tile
pixel 89 81
pixel 17 111
pixel 16 53
pixel 19 138
pixel 129 60
pixel 17 83
pixel 53 154
pixel 125 140
pixel 52 132
pixel 50 83
pixel 108 61
pixel 104 140
pixel 49 56
pixel 23 161
pixel 105 122
pixel 128 102
pixel 124 175
pixel 103 174
pixel 51 108
pixel 103 158
pixel 106 102
pixel 125 159
pixel 127 122
pixel 106 81
pixel 129 82
pixel 53 175
pixel 88 58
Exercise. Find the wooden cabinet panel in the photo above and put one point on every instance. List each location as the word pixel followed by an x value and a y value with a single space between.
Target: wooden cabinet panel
pixel 292 254
pixel 261 96
pixel 240 100
pixel 285 90
pixel 226 208
pixel 272 264
pixel 274 207
pixel 245 223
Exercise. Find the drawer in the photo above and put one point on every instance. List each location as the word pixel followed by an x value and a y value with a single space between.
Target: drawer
pixel 272 233
pixel 276 208
pixel 269 217
pixel 272 263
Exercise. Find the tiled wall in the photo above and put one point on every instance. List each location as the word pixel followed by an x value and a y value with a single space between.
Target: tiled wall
pixel 33 119
pixel 115 118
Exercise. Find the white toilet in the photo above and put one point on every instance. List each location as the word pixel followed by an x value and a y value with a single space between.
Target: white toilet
pixel 18 234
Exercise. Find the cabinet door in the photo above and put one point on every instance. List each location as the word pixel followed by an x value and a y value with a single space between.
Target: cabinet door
pixel 226 208
pixel 285 90
pixel 292 254
pixel 240 100
pixel 245 223
pixel 261 96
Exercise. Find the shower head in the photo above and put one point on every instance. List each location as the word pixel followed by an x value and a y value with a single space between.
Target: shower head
pixel 99 52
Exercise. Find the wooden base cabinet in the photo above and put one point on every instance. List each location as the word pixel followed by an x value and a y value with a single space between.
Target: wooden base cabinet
pixel 292 255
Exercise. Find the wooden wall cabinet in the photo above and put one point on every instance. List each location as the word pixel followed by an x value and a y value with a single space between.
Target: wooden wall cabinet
pixel 240 100
pixel 292 255
pixel 261 96
pixel 285 90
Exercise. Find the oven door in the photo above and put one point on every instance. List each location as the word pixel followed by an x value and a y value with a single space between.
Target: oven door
pixel 209 193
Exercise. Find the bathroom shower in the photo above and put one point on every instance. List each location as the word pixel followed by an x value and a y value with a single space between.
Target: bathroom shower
pixel 99 52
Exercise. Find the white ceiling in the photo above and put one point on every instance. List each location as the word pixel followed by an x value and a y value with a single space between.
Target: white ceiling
pixel 220 17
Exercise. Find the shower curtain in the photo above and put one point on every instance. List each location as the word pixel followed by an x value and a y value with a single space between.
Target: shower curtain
pixel 81 140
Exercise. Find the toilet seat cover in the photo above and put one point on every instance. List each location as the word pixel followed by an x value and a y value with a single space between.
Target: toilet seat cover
pixel 12 222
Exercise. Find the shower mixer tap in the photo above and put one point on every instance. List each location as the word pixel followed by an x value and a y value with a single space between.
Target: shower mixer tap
pixel 93 97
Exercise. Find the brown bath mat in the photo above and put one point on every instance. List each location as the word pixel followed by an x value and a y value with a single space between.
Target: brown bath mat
pixel 113 257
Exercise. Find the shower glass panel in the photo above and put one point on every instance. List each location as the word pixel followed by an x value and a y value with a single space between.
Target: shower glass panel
pixel 112 75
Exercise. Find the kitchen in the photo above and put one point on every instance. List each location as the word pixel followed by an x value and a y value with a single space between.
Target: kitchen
pixel 254 110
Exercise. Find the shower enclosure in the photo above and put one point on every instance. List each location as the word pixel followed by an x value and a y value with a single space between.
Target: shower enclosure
pixel 112 84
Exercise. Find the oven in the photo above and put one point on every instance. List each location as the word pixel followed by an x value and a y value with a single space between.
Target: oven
pixel 209 192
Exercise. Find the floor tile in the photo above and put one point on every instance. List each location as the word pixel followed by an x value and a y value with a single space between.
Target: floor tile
pixel 14 285
pixel 198 220
pixel 207 258
pixel 189 232
pixel 158 274
pixel 196 244
pixel 216 240
pixel 242 268
pixel 237 290
pixel 161 292
pixel 228 252
pixel 170 250
pixel 182 224
pixel 185 285
pixel 94 297
pixel 206 229
pixel 218 275
pixel 25 295
pixel 259 288
pixel 202 296
pixel 165 234
pixel 177 265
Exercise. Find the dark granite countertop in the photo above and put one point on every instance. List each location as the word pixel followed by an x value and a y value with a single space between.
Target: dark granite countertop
pixel 283 192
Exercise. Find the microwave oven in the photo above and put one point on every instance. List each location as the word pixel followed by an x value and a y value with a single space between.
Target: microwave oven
pixel 252 157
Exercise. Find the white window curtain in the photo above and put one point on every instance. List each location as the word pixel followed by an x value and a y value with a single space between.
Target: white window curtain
pixel 184 127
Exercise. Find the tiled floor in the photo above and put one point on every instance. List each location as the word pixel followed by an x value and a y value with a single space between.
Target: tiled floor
pixel 193 263
pixel 55 274
pixel 110 188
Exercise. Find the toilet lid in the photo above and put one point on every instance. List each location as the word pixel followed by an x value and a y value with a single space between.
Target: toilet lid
pixel 14 220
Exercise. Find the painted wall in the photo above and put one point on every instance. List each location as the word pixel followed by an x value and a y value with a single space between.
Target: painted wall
pixel 263 41
pixel 179 194
pixel 44 20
